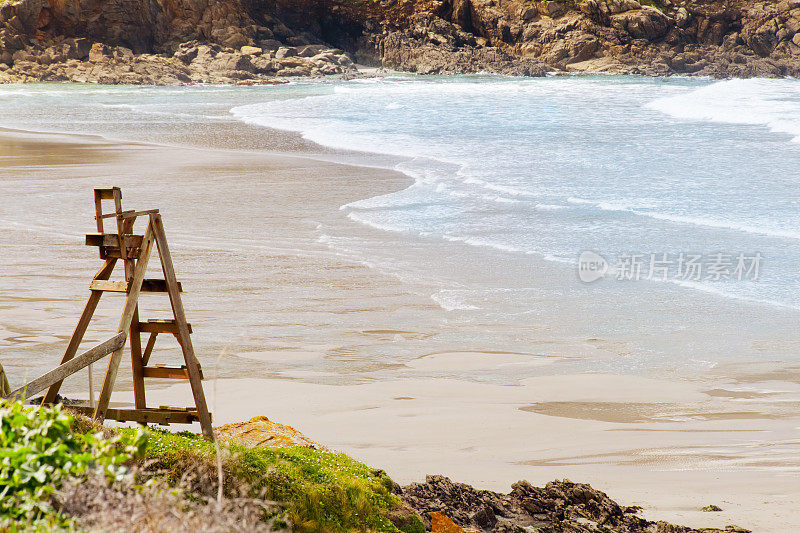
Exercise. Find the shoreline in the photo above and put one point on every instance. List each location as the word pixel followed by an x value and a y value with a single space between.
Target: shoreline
pixel 445 437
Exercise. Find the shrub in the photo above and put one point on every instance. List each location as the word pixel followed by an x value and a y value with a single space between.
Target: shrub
pixel 39 451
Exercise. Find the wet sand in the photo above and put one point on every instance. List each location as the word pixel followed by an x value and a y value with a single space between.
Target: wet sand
pixel 363 359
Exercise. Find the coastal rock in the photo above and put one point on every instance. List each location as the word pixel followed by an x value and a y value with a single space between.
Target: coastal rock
pixel 644 23
pixel 740 38
pixel 559 506
pixel 284 52
pixel 682 17
pixel 261 432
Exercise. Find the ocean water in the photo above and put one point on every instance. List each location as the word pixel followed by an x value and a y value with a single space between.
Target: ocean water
pixel 652 175
pixel 681 181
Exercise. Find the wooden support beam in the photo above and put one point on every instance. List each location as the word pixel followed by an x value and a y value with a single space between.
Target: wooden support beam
pixel 114 253
pixel 83 323
pixel 148 350
pixel 123 227
pixel 106 193
pixel 148 415
pixel 111 240
pixel 130 213
pixel 168 372
pixel 190 359
pixel 136 361
pixel 98 207
pixel 134 214
pixel 131 304
pixel 65 370
pixel 161 326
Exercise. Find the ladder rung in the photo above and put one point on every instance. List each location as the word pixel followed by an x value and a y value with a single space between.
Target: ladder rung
pixel 108 286
pixel 148 285
pixel 157 285
pixel 161 326
pixel 168 372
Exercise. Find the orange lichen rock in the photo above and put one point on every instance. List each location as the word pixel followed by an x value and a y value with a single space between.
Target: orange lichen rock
pixel 261 432
pixel 440 523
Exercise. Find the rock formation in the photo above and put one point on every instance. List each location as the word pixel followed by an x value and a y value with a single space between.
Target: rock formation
pixel 260 41
pixel 559 506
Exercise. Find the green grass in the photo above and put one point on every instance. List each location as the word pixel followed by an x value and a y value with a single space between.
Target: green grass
pixel 317 490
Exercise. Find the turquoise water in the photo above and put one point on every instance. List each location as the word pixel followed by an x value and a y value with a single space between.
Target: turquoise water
pixel 644 172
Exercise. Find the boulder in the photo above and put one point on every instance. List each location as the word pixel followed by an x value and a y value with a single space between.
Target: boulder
pixel 646 23
pixel 251 51
pixel 285 51
pixel 99 52
pixel 23 55
pixel 294 71
pixel 186 55
pixel 551 9
pixel 263 65
pixel 763 40
pixel 620 6
pixel 30 12
pixel 269 44
pixel 311 50
pixel 78 48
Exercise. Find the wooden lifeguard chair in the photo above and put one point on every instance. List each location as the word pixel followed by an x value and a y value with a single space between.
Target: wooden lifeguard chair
pixel 134 251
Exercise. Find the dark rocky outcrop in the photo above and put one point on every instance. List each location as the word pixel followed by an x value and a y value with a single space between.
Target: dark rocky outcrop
pixel 558 507
pixel 158 41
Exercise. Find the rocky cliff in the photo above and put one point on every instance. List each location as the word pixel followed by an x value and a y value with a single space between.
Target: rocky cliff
pixel 252 41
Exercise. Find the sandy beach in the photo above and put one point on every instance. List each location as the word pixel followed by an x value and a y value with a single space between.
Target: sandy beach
pixel 364 360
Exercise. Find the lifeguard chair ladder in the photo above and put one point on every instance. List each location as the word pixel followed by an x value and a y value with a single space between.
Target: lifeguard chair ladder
pixel 134 251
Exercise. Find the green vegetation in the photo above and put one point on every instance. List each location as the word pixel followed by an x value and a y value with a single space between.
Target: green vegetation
pixel 317 490
pixel 45 449
pixel 39 451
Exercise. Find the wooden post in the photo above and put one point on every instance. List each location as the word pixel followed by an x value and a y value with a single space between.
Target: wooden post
pixel 137 362
pixel 173 290
pixel 125 227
